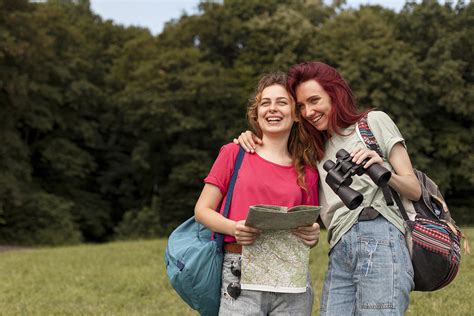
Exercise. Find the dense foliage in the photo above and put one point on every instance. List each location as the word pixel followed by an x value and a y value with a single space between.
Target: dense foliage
pixel 107 132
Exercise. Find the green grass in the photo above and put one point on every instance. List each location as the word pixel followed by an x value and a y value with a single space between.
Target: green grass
pixel 129 278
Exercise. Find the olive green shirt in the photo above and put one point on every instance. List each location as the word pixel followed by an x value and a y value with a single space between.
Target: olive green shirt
pixel 334 214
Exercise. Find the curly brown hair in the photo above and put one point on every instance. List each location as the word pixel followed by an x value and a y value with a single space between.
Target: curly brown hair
pixel 299 144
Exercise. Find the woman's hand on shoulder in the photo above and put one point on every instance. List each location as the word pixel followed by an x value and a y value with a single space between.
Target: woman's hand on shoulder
pixel 248 141
pixel 308 234
pixel 245 235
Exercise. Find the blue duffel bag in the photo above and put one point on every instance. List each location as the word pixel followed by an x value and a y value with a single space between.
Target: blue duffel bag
pixel 194 260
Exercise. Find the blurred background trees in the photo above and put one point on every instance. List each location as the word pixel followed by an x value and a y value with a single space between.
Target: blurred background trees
pixel 107 132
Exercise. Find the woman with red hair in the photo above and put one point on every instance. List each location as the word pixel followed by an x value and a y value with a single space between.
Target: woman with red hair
pixel 369 269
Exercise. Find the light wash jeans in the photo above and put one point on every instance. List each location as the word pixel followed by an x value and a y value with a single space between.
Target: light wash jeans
pixel 369 272
pixel 259 302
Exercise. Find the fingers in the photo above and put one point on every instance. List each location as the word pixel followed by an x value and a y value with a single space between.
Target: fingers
pixel 245 240
pixel 245 143
pixel 308 234
pixel 245 235
pixel 256 140
pixel 310 240
pixel 241 228
pixel 360 154
pixel 308 230
pixel 248 141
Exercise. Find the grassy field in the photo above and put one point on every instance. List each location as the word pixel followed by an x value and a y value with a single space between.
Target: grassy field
pixel 129 278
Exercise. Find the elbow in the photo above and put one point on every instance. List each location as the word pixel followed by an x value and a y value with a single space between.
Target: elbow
pixel 197 214
pixel 416 192
pixel 418 196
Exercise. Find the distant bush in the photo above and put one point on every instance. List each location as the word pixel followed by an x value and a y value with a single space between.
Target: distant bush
pixel 45 219
pixel 461 209
pixel 144 223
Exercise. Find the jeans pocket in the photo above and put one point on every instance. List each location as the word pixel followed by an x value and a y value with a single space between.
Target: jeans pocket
pixel 376 290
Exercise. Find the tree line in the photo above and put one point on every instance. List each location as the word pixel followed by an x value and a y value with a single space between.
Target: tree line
pixel 107 131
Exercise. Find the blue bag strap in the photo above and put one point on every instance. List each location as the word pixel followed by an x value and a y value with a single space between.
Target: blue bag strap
pixel 218 237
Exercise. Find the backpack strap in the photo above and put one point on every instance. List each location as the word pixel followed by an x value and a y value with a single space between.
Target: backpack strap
pixel 402 209
pixel 365 133
pixel 218 237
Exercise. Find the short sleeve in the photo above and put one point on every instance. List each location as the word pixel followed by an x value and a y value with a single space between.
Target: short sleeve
pixel 223 166
pixel 385 131
pixel 311 178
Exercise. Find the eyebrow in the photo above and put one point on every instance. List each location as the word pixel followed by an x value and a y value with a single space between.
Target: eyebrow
pixel 310 97
pixel 279 98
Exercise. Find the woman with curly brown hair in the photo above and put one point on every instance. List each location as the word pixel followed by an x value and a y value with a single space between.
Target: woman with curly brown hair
pixel 278 174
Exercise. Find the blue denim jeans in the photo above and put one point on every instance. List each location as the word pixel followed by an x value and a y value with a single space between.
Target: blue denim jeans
pixel 369 273
pixel 259 302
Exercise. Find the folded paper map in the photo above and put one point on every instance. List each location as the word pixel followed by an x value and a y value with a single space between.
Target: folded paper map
pixel 278 260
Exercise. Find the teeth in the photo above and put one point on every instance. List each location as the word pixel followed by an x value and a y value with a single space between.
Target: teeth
pixel 273 119
pixel 317 118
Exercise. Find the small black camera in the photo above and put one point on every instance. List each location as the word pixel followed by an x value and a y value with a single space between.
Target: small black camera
pixel 339 177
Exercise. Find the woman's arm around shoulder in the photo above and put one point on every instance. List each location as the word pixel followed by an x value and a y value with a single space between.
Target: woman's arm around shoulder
pixel 248 141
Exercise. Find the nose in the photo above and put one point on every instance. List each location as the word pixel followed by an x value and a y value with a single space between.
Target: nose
pixel 308 111
pixel 273 106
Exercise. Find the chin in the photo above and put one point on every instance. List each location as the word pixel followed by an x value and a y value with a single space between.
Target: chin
pixel 321 126
pixel 276 131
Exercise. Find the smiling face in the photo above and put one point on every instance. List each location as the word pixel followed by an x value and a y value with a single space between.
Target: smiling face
pixel 314 104
pixel 275 111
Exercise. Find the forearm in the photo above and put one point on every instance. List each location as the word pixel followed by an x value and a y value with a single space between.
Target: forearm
pixel 406 185
pixel 215 221
pixel 403 178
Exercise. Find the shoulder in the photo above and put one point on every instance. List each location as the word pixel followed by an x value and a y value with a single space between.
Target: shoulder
pixel 381 122
pixel 230 150
pixel 378 117
pixel 385 131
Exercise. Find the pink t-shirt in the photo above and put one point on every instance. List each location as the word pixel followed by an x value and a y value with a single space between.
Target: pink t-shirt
pixel 260 182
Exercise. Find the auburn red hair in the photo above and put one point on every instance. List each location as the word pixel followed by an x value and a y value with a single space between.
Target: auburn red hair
pixel 344 110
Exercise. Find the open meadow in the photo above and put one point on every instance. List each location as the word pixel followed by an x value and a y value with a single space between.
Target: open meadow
pixel 129 278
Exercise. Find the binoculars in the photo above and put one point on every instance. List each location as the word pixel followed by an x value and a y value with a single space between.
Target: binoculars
pixel 339 177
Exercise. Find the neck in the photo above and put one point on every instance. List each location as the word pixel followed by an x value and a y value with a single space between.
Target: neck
pixel 275 149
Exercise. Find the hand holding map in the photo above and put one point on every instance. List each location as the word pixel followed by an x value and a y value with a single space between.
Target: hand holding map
pixel 278 260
